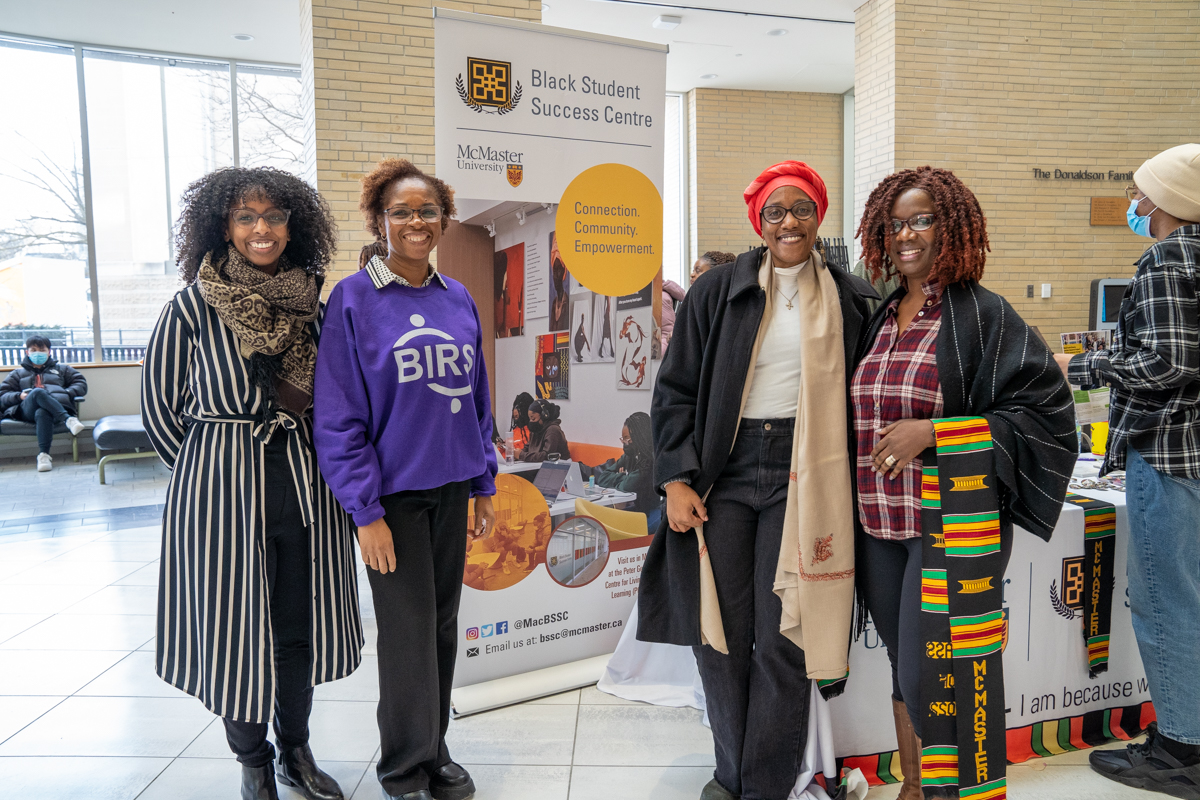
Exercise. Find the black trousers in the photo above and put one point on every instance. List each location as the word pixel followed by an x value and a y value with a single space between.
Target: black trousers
pixel 289 585
pixel 44 411
pixel 758 694
pixel 416 608
pixel 892 583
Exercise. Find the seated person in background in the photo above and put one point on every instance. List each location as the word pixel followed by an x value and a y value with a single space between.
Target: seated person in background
pixel 634 471
pixel 546 434
pixel 520 420
pixel 43 391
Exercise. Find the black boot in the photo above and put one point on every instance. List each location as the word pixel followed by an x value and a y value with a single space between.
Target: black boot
pixel 258 783
pixel 296 768
pixel 713 790
pixel 451 782
pixel 1150 766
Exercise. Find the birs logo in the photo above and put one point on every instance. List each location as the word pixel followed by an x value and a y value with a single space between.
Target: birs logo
pixel 434 362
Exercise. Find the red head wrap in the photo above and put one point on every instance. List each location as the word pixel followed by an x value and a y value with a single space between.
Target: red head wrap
pixel 785 173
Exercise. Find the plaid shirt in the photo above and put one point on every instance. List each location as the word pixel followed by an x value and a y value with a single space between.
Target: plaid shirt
pixel 1153 367
pixel 898 379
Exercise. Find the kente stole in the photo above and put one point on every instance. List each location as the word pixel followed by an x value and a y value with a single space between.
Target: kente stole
pixel 963 750
pixel 1099 543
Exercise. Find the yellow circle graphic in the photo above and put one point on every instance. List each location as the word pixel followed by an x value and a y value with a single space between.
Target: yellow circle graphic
pixel 609 229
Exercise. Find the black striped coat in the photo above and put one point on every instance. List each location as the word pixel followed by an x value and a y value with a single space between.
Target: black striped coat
pixel 203 416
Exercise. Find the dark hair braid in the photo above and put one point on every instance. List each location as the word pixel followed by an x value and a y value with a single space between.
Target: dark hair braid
pixel 961 235
pixel 643 440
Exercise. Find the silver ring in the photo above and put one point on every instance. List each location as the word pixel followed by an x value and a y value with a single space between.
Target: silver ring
pixel 889 461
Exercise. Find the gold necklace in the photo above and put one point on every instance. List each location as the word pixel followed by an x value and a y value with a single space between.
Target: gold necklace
pixel 788 299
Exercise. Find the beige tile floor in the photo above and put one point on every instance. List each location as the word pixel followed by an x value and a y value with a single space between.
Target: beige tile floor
pixel 82 715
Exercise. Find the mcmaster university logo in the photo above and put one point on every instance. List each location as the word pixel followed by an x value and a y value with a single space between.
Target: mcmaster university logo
pixel 490 88
pixel 437 364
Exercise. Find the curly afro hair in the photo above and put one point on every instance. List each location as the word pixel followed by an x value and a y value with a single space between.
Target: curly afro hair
pixel 208 201
pixel 961 235
pixel 376 183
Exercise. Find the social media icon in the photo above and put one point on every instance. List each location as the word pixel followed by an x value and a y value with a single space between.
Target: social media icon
pixel 485 631
pixel 472 652
pixel 501 628
pixel 472 634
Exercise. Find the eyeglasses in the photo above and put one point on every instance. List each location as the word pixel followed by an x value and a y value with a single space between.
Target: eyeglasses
pixel 402 215
pixel 245 218
pixel 805 209
pixel 1133 193
pixel 626 440
pixel 921 222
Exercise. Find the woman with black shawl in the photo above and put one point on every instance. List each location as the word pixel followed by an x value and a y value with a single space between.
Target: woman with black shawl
pixel 950 380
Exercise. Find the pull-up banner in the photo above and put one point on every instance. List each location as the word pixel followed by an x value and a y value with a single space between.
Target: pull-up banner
pixel 522 109
pixel 532 119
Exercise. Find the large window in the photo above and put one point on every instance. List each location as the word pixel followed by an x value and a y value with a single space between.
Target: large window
pixel 151 124
pixel 676 265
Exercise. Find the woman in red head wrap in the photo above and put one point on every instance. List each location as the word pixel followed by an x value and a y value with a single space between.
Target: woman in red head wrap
pixel 754 565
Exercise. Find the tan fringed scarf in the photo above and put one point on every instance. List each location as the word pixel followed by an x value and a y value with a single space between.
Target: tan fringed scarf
pixel 270 315
pixel 815 575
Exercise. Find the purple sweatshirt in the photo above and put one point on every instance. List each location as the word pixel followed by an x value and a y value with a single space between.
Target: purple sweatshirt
pixel 401 399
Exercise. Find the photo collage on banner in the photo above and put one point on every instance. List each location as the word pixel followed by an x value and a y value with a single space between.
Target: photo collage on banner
pixel 509 265
pixel 572 207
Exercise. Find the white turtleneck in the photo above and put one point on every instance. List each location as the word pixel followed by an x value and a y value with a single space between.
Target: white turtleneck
pixel 776 385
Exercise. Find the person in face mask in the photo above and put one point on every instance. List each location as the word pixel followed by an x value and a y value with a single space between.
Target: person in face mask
pixel 1153 369
pixel 633 471
pixel 43 391
pixel 546 437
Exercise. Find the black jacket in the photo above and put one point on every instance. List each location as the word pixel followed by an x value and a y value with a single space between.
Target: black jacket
pixel 992 364
pixel 64 382
pixel 695 415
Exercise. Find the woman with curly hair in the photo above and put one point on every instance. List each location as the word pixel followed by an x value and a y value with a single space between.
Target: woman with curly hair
pixel 257 591
pixel 404 436
pixel 943 358
pixel 713 258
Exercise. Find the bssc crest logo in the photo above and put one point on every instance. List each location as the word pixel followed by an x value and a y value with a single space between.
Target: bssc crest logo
pixel 490 88
pixel 1069 603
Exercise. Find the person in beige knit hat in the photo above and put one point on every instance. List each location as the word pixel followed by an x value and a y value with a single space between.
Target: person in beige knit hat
pixel 1153 368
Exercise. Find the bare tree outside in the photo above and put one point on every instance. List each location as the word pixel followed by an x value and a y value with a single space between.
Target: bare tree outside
pixel 270 116
pixel 61 231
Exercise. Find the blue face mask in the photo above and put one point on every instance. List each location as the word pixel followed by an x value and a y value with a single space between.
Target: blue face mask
pixel 1139 225
pixel 39 358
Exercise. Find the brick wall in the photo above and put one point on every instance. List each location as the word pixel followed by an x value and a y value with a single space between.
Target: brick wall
pixel 370 67
pixel 735 134
pixel 874 98
pixel 994 91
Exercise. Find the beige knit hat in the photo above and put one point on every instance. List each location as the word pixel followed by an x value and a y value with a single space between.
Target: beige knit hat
pixel 1172 181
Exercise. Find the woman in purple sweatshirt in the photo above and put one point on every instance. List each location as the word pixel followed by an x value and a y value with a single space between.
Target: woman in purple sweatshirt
pixel 403 433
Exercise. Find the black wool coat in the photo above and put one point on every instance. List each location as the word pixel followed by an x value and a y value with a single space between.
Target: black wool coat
pixel 695 415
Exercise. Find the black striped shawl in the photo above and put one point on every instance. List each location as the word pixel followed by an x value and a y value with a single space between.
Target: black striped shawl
pixel 992 364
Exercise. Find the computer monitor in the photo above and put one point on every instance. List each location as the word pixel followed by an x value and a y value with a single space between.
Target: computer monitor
pixel 1105 306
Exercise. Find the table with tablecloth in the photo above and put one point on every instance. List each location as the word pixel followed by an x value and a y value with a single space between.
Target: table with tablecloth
pixel 1053 706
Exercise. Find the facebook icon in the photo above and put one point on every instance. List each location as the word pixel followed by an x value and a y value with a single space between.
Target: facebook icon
pixel 501 628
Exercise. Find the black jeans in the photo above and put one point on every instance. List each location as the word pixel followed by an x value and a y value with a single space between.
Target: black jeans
pixel 290 603
pixel 40 408
pixel 416 608
pixel 892 583
pixel 758 694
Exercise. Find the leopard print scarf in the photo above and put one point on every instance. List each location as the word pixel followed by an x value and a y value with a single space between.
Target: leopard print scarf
pixel 270 315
